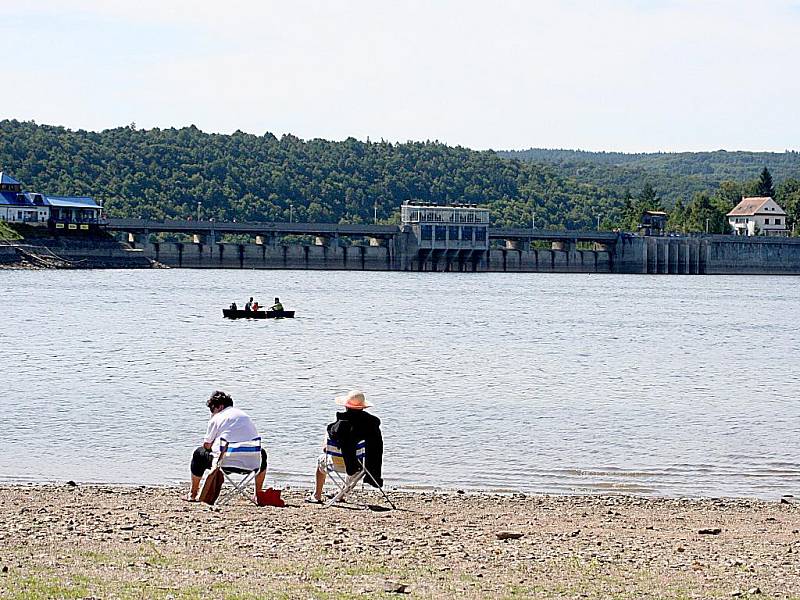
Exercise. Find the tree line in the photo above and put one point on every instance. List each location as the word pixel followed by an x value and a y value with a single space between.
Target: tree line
pixel 707 210
pixel 176 173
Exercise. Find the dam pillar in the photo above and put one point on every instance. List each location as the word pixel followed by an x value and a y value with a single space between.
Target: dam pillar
pixel 682 266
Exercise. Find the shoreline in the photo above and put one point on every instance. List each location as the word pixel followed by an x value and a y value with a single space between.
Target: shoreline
pixel 115 541
pixel 411 490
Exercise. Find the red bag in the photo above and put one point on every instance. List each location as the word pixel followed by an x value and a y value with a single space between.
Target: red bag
pixel 269 497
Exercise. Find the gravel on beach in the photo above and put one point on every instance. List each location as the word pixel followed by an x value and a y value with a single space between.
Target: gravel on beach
pixel 81 541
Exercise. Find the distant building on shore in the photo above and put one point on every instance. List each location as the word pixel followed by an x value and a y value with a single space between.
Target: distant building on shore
pixel 56 212
pixel 759 215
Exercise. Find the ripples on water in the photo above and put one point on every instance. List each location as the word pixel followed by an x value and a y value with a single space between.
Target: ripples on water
pixel 548 383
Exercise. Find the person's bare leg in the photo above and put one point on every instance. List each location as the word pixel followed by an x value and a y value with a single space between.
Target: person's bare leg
pixel 260 480
pixel 319 483
pixel 195 487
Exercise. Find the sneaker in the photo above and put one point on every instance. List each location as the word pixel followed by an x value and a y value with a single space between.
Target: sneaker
pixel 312 499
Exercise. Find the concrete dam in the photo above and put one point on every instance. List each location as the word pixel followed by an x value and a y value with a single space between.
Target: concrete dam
pixel 447 239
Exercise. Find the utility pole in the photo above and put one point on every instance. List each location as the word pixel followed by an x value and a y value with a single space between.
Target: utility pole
pixel 199 204
pixel 706 225
pixel 375 206
pixel 598 222
pixel 291 213
pixel 533 220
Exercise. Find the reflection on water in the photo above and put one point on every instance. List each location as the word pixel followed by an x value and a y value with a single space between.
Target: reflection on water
pixel 556 383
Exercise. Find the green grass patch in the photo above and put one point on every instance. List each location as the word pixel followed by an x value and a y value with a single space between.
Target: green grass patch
pixel 40 587
pixel 8 233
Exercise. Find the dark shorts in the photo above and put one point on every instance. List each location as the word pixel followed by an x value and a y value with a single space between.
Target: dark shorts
pixel 203 460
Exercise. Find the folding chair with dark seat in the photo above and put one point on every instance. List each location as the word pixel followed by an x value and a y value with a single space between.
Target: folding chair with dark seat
pixel 240 462
pixel 334 466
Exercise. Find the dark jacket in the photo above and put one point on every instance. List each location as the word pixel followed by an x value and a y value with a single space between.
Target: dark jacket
pixel 352 426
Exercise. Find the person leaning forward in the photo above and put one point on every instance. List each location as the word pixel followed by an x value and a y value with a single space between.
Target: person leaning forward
pixel 351 427
pixel 231 424
pixel 277 306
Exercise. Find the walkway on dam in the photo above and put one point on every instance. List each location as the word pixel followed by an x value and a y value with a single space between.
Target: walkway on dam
pixel 141 226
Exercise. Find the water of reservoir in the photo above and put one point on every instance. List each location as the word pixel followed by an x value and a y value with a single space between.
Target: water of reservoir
pixel 680 386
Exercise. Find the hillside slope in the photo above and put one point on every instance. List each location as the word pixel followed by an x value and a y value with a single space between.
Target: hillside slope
pixel 166 172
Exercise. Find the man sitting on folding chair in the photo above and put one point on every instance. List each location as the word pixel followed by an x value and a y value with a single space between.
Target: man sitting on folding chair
pixel 232 433
pixel 353 439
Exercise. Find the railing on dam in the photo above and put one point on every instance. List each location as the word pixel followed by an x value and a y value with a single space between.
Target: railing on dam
pixel 138 226
pixel 252 228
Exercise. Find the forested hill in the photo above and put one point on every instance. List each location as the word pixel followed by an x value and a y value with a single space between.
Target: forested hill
pixel 160 173
pixel 674 176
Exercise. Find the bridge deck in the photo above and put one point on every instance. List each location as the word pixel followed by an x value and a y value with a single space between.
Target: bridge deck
pixel 332 229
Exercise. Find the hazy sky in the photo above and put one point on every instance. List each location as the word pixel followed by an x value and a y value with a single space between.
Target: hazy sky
pixel 629 75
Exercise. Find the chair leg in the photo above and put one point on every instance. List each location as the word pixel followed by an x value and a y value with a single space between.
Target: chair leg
pixel 382 491
pixel 345 489
pixel 240 488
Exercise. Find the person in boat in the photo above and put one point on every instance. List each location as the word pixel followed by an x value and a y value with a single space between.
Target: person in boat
pixel 227 423
pixel 249 305
pixel 351 427
pixel 255 306
pixel 233 306
pixel 277 306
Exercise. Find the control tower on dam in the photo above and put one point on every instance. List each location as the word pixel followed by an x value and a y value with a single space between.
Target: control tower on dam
pixel 446 238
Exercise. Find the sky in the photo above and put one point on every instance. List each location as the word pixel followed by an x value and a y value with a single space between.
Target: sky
pixel 615 75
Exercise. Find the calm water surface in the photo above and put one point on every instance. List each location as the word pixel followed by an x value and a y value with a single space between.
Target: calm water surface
pixel 549 383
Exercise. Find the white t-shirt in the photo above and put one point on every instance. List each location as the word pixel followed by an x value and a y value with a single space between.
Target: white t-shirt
pixel 232 424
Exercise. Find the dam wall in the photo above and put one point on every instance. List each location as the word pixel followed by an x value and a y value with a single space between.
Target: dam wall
pixel 734 255
pixel 704 255
pixel 707 255
pixel 370 258
pixel 265 256
pixel 568 260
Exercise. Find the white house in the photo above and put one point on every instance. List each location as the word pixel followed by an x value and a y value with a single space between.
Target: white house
pixel 56 212
pixel 17 206
pixel 759 215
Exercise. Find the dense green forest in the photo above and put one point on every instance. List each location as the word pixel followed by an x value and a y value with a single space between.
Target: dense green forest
pixel 165 172
pixel 160 173
pixel 675 175
pixel 692 186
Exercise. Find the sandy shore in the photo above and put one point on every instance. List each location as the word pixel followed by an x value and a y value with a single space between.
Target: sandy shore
pixel 116 542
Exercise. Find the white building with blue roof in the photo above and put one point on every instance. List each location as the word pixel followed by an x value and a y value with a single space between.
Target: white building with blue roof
pixel 79 213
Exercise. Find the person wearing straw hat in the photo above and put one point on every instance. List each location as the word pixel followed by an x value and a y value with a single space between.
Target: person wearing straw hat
pixel 353 425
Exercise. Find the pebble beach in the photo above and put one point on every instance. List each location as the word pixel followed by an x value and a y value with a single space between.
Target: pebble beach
pixel 79 541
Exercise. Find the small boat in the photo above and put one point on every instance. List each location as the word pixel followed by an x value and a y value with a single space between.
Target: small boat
pixel 229 313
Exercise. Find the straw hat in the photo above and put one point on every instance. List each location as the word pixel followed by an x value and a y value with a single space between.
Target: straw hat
pixel 354 399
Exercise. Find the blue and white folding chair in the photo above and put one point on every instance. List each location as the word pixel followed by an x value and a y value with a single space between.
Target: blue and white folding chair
pixel 240 462
pixel 335 468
